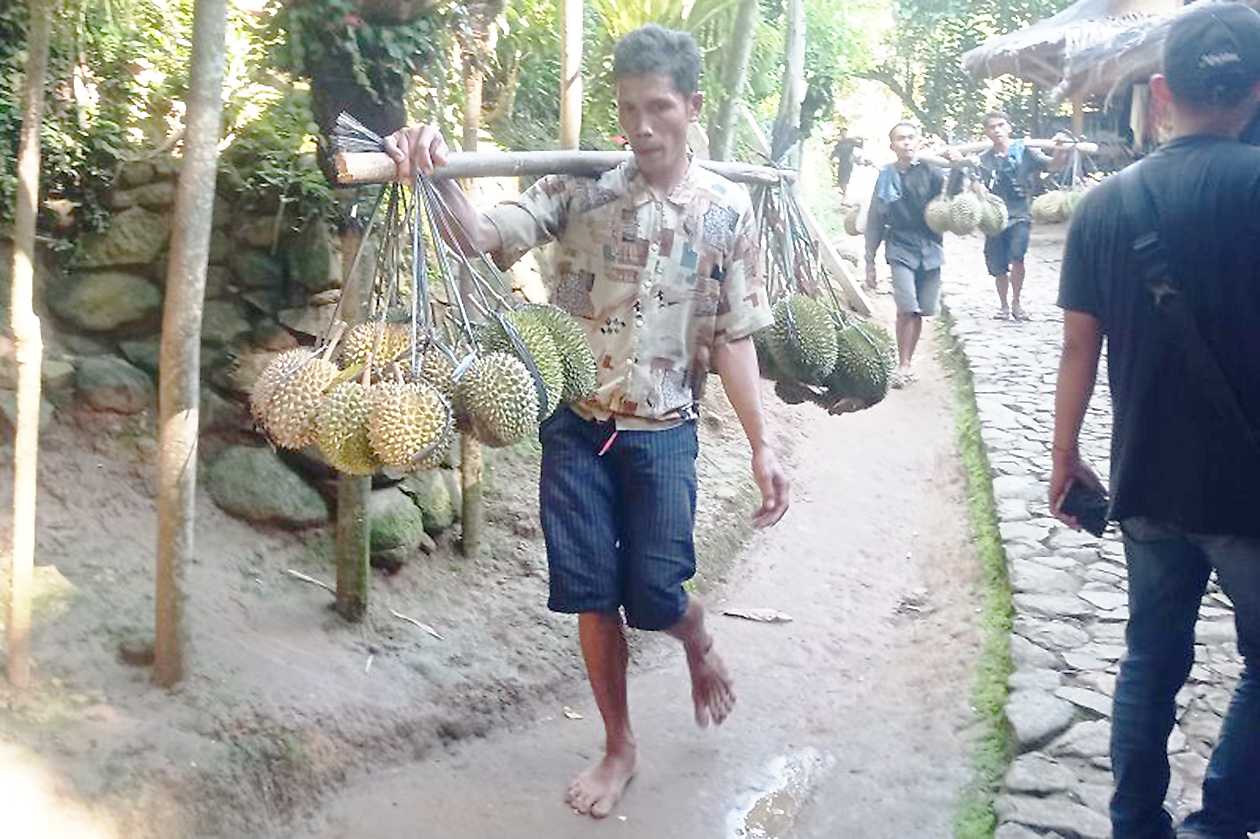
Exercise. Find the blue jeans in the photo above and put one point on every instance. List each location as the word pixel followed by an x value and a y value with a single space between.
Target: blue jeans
pixel 1168 573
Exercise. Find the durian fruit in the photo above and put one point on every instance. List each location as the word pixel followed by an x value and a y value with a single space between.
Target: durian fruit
pixel 1071 198
pixel 581 376
pixel 802 339
pixel 498 397
pixel 342 428
pixel 1048 208
pixel 385 342
pixel 540 346
pixel 437 369
pixel 407 421
pixel 864 362
pixel 965 210
pixel 279 370
pixel 766 365
pixel 295 401
pixel 937 214
pixel 994 217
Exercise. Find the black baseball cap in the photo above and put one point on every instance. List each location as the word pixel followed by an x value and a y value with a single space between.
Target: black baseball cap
pixel 1212 53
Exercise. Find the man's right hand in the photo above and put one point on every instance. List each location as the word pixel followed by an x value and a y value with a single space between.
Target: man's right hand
pixel 416 149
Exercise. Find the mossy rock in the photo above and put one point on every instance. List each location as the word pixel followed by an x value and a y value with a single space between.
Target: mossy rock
pixel 108 300
pixel 252 483
pixel 107 383
pixel 394 522
pixel 429 493
pixel 134 237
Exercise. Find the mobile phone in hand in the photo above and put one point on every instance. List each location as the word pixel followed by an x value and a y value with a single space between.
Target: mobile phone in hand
pixel 1087 505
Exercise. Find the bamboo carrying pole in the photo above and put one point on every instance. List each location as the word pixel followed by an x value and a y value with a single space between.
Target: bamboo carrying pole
pixel 29 349
pixel 358 168
pixel 179 385
pixel 970 149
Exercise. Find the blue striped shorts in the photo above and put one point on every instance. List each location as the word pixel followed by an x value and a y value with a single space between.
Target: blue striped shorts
pixel 618 526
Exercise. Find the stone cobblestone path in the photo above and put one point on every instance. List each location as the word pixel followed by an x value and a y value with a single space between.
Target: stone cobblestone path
pixel 1069 587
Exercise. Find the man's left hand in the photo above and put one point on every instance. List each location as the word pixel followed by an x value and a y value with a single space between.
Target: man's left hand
pixel 774 486
pixel 1066 469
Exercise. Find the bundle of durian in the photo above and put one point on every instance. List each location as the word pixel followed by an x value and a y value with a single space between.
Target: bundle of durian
pixel 816 354
pixel 286 397
pixel 1057 205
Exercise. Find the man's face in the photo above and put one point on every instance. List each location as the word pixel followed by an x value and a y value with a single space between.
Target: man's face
pixel 998 130
pixel 654 116
pixel 905 142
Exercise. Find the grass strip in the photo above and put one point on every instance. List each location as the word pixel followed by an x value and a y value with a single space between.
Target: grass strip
pixel 975 817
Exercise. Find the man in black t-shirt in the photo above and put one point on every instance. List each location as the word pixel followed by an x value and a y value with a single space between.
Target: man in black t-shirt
pixel 1185 463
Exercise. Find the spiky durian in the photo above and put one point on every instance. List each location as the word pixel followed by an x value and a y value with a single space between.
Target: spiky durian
pixel 965 210
pixel 803 339
pixel 385 341
pixel 407 422
pixel 937 215
pixel 1049 207
pixel 294 402
pixel 539 347
pixel 993 218
pixel 342 428
pixel 280 369
pixel 864 361
pixel 499 399
pixel 577 362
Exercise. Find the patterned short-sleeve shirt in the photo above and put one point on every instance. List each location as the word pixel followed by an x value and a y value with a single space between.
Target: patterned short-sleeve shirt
pixel 657 284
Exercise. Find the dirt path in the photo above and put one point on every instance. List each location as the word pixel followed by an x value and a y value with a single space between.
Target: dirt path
pixel 851 720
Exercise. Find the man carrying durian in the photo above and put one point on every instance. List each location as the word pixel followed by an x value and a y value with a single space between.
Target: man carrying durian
pixel 658 260
pixel 914 251
pixel 1010 170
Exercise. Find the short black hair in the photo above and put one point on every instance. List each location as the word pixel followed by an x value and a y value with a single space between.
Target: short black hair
pixel 655 50
pixel 992 115
pixel 902 124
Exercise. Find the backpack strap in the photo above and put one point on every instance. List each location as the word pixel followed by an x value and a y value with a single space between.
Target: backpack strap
pixel 1177 323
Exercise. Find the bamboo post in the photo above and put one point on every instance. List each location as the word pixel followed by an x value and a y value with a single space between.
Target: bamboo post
pixel 179 385
pixel 1078 116
pixel 29 347
pixel 471 462
pixel 353 535
pixel 570 73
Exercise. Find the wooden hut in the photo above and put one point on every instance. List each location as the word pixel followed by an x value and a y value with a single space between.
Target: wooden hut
pixel 1046 52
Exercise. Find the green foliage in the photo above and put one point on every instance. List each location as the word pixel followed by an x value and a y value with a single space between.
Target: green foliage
pixel 114 71
pixel 924 59
pixel 383 58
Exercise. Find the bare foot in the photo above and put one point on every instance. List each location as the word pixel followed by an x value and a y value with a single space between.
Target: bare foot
pixel 711 688
pixel 597 790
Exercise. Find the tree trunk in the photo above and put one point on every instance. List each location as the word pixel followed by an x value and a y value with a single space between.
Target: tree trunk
pixel 734 77
pixel 29 348
pixel 570 73
pixel 787 125
pixel 888 80
pixel 179 386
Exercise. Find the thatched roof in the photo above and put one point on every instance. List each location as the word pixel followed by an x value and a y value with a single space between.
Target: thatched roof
pixel 1037 53
pixel 1124 56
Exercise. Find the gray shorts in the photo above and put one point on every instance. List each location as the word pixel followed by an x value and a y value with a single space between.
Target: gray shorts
pixel 916 290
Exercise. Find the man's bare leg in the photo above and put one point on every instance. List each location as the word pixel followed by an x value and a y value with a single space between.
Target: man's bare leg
pixel 1017 286
pixel 597 789
pixel 1003 282
pixel 712 690
pixel 909 328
